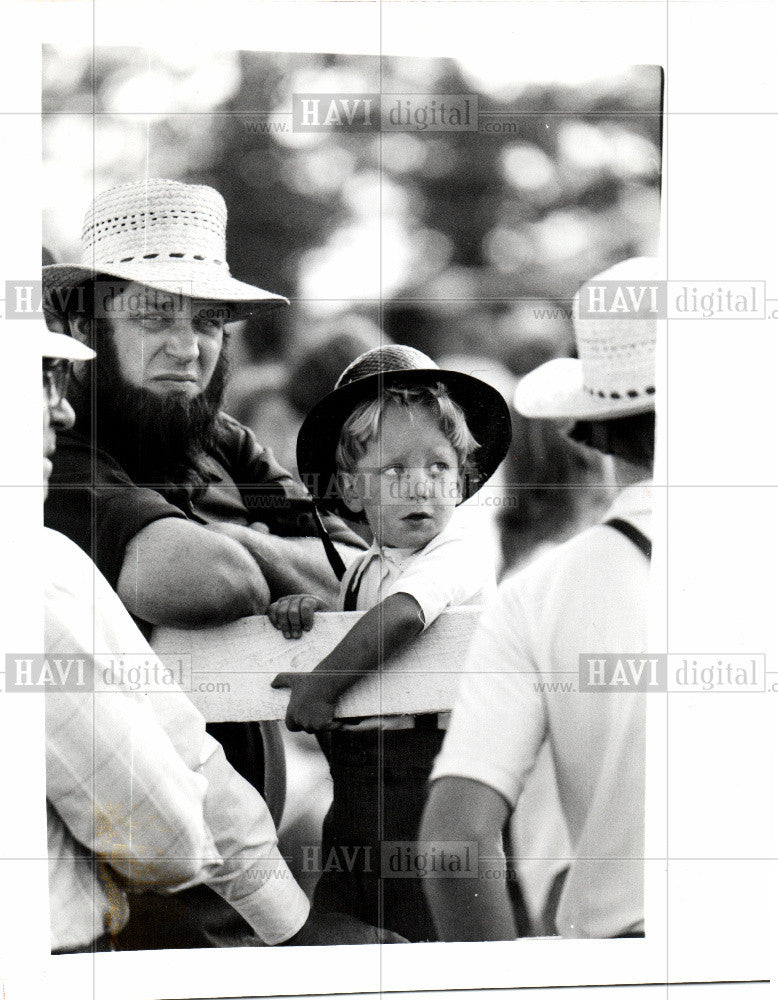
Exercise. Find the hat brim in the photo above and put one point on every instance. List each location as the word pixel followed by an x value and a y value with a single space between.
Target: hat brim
pixel 59 345
pixel 487 414
pixel 174 277
pixel 555 390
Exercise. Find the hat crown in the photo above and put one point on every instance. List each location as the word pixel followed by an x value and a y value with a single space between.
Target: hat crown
pixel 382 360
pixel 165 235
pixel 617 347
pixel 156 220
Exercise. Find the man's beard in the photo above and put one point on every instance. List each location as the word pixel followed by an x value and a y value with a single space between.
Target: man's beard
pixel 158 440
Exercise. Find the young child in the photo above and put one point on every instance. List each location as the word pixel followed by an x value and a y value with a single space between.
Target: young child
pixel 405 443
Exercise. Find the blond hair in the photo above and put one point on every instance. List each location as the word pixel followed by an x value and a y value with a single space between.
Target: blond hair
pixel 363 425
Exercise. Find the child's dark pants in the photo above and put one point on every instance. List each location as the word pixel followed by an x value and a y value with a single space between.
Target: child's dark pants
pixel 379 788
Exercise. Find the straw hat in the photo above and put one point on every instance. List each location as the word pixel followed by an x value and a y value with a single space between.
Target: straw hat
pixel 486 412
pixel 614 374
pixel 59 345
pixel 164 234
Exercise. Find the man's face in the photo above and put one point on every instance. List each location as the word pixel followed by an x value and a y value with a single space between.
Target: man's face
pixel 49 446
pixel 407 483
pixel 158 380
pixel 166 344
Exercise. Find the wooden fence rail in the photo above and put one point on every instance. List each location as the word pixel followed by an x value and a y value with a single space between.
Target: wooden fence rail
pixel 232 666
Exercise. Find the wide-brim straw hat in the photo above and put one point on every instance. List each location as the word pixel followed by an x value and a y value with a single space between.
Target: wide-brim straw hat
pixel 487 414
pixel 163 234
pixel 59 345
pixel 614 374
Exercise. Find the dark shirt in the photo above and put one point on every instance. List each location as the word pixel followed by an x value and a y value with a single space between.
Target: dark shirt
pixel 94 502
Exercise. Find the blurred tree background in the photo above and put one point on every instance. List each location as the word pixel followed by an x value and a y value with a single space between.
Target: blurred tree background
pixel 455 242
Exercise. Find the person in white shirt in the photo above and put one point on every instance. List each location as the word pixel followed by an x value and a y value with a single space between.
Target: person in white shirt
pixel 586 596
pixel 139 796
pixel 406 443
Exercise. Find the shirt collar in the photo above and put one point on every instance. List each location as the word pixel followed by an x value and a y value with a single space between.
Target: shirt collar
pixel 388 554
pixel 398 556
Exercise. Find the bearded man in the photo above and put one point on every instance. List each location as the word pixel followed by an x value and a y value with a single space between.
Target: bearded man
pixel 188 517
pixel 157 484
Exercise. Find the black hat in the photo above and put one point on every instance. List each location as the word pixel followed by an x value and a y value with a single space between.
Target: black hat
pixel 397 366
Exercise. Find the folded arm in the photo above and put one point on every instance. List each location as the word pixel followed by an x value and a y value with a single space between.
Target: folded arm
pixel 176 572
pixel 289 565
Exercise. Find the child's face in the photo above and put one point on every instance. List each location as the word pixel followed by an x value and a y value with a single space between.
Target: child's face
pixel 407 483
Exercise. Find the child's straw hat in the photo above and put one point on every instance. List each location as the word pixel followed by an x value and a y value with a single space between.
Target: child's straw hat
pixel 486 412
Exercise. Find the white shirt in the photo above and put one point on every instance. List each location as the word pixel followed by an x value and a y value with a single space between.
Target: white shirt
pixel 133 779
pixel 586 596
pixel 450 570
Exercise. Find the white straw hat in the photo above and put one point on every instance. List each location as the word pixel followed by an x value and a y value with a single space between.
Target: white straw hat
pixel 59 345
pixel 614 374
pixel 164 234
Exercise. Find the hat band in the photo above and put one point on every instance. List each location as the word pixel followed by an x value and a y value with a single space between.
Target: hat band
pixel 650 390
pixel 157 255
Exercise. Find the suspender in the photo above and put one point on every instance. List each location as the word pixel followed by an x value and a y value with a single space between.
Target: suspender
pixel 632 533
pixel 337 564
pixel 350 597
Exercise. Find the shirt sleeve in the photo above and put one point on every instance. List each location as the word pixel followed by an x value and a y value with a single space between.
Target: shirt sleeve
pixel 93 501
pixel 137 779
pixel 116 781
pixel 253 877
pixel 451 573
pixel 499 719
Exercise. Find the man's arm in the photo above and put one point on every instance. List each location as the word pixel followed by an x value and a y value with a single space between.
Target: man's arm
pixel 179 573
pixel 253 877
pixel 287 549
pixel 380 632
pixel 289 565
pixel 468 909
pixel 119 786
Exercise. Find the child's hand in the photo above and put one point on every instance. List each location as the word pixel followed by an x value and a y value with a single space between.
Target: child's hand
pixel 310 708
pixel 294 613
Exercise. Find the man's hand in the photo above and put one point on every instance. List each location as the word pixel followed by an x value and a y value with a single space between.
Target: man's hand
pixel 340 928
pixel 294 614
pixel 311 708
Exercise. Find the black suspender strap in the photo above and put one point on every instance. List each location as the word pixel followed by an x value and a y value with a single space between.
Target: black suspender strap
pixel 632 533
pixel 350 597
pixel 337 564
